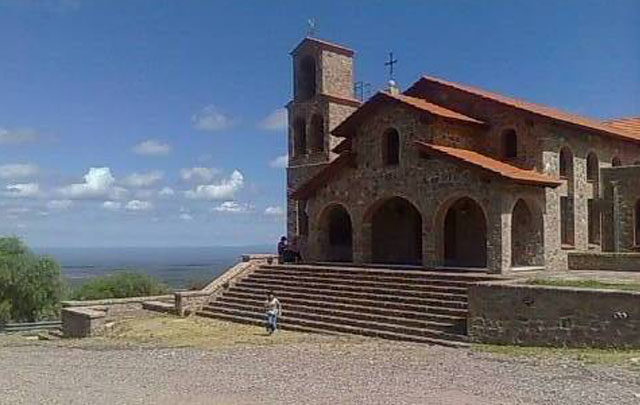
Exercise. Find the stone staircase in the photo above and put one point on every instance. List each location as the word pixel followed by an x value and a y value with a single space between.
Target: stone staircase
pixel 410 305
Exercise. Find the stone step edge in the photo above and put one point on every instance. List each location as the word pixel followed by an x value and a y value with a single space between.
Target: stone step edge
pixel 346 330
pixel 359 316
pixel 347 308
pixel 334 320
pixel 459 305
pixel 357 282
pixel 371 304
pixel 303 267
pixel 328 291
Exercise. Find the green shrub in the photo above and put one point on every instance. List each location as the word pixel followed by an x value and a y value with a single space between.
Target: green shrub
pixel 119 285
pixel 30 286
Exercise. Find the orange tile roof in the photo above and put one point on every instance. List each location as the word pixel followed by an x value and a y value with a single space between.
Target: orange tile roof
pixel 323 177
pixel 535 109
pixel 630 124
pixel 486 163
pixel 346 127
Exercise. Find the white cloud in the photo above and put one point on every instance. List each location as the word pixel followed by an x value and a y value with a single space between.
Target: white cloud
pixel 98 183
pixel 111 205
pixel 274 211
pixel 59 205
pixel 185 216
pixel 166 192
pixel 276 121
pixel 15 211
pixel 17 136
pixel 152 147
pixel 26 190
pixel 205 174
pixel 211 119
pixel 280 162
pixel 143 179
pixel 137 205
pixel 18 171
pixel 223 190
pixel 233 207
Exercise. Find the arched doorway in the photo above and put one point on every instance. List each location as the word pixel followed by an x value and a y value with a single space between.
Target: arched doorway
pixel 336 234
pixel 396 233
pixel 465 235
pixel 526 236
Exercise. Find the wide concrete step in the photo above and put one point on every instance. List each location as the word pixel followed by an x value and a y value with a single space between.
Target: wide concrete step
pixel 410 286
pixel 365 328
pixel 470 277
pixel 341 296
pixel 338 289
pixel 451 325
pixel 439 280
pixel 363 305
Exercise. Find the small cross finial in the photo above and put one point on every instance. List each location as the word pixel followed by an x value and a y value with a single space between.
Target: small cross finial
pixel 311 32
pixel 390 63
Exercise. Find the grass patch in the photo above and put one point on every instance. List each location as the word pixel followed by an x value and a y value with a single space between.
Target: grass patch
pixel 594 284
pixel 630 358
pixel 205 333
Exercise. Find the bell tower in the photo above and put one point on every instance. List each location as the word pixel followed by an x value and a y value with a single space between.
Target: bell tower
pixel 322 99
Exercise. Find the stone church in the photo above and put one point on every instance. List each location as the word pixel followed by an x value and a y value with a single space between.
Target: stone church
pixel 445 175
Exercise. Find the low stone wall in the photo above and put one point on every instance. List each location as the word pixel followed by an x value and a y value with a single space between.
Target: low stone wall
pixel 604 261
pixel 511 313
pixel 187 302
pixel 81 322
pixel 116 307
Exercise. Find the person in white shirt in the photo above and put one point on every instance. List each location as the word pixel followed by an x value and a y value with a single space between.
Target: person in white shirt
pixel 274 309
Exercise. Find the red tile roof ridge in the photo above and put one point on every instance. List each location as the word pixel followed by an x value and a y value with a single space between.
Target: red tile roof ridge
pixel 492 165
pixel 432 108
pixel 539 109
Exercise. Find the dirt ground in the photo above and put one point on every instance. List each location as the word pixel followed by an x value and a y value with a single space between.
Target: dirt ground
pixel 167 360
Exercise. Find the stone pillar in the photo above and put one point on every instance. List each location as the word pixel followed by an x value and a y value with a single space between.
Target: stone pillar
pixel 497 234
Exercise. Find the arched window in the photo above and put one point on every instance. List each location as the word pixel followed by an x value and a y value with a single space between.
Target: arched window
pixel 509 144
pixel 637 223
pixel 316 140
pixel 300 137
pixel 615 162
pixel 391 147
pixel 307 78
pixel 566 163
pixel 593 169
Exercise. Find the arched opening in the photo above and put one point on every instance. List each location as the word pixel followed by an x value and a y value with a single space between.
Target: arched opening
pixel 465 235
pixel 300 137
pixel 566 163
pixel 637 224
pixel 317 134
pixel 307 78
pixel 509 144
pixel 396 233
pixel 391 147
pixel 336 234
pixel 526 236
pixel 615 162
pixel 593 169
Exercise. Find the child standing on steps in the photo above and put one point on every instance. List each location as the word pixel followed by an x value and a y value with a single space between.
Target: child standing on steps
pixel 273 307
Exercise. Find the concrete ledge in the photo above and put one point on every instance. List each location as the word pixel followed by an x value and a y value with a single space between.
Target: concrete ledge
pixel 604 261
pixel 530 315
pixel 82 322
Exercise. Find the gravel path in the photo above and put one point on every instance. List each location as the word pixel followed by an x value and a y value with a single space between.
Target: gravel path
pixel 373 372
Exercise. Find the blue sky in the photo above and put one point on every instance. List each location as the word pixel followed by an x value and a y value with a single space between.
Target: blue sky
pixel 159 123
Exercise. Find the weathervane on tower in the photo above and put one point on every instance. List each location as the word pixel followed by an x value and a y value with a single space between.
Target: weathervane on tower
pixel 311 32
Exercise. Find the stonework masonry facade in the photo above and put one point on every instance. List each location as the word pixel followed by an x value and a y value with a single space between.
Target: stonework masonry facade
pixel 445 175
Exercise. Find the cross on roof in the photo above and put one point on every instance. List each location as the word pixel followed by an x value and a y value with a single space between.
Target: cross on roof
pixel 390 63
pixel 311 32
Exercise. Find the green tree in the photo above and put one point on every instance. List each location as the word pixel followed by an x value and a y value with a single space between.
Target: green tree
pixel 30 285
pixel 119 285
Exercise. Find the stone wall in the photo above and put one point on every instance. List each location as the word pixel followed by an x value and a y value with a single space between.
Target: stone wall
pixel 621 194
pixel 82 322
pixel 605 261
pixel 509 313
